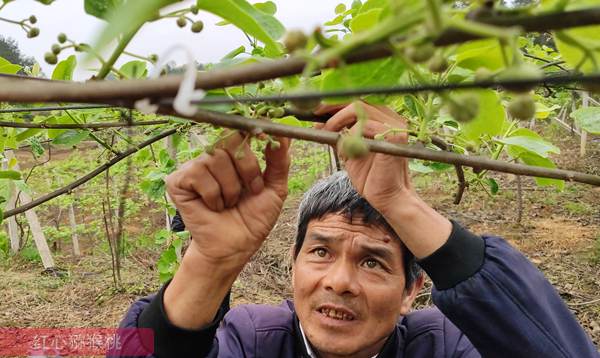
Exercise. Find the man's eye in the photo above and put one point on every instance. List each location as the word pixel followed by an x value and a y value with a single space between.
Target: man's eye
pixel 372 263
pixel 320 252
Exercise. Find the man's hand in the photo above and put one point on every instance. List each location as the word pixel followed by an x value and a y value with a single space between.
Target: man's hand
pixel 384 180
pixel 227 204
pixel 229 207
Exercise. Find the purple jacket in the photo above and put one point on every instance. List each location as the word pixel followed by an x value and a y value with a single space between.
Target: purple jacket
pixel 497 305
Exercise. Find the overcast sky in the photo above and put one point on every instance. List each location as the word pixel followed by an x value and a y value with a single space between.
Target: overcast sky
pixel 210 45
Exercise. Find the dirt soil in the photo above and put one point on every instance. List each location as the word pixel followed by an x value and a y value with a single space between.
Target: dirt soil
pixel 559 233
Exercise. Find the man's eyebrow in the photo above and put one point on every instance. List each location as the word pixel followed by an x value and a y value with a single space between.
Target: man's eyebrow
pixel 381 252
pixel 378 251
pixel 322 238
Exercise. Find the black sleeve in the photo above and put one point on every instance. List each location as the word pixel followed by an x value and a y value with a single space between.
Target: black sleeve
pixel 177 224
pixel 457 260
pixel 172 341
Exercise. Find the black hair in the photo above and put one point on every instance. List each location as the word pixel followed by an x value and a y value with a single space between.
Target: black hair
pixel 336 195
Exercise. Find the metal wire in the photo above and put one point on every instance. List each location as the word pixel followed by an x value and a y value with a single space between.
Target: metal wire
pixel 55 108
pixel 550 81
pixel 547 81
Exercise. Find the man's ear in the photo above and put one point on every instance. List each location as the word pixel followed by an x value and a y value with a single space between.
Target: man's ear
pixel 291 258
pixel 410 294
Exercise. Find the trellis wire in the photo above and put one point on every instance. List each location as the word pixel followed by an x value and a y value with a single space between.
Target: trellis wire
pixel 55 108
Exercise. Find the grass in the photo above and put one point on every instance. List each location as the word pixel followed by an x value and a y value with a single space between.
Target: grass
pixel 576 208
pixel 595 254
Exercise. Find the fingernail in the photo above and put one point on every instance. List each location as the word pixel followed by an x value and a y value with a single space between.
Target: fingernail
pixel 257 185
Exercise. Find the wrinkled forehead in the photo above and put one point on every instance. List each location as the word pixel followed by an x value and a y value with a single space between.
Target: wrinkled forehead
pixel 345 227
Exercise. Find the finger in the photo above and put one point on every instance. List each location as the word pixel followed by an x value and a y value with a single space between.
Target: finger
pixel 278 166
pixel 372 128
pixel 245 162
pixel 319 125
pixel 387 110
pixel 393 118
pixel 193 180
pixel 328 108
pixel 347 117
pixel 223 170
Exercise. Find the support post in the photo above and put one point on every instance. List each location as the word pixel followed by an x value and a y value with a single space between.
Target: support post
pixel 34 224
pixel 74 235
pixel 585 102
pixel 13 230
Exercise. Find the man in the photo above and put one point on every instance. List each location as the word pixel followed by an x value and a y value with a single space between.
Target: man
pixel 360 235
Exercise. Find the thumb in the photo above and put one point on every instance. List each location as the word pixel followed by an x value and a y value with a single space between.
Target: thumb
pixel 278 167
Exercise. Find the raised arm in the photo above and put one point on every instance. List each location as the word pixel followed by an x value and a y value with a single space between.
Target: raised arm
pixel 490 291
pixel 229 207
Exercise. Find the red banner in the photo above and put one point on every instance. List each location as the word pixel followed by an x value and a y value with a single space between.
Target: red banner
pixel 66 342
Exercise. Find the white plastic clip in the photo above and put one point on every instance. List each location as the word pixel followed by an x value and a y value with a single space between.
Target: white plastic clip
pixel 186 93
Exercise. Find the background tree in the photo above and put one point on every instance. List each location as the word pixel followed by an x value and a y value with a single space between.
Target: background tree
pixel 9 50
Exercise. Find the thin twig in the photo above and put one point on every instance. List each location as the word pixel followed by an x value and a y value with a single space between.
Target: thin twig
pixel 331 138
pixel 55 108
pixel 117 92
pixel 124 92
pixel 82 125
pixel 87 177
pixel 519 200
pixel 585 303
pixel 549 63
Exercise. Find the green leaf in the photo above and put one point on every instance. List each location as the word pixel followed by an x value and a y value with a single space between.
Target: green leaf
pixel 155 189
pixel 493 186
pixel 268 7
pixel 64 70
pixel 530 158
pixel 374 4
pixel 134 69
pixel 8 68
pixel 177 243
pixel 542 111
pixel 167 264
pixel 491 118
pixel 481 53
pixel 101 8
pixel 336 21
pixel 289 120
pixel 71 137
pixel 28 133
pixel 231 54
pixel 247 18
pixel 589 37
pixel 531 144
pixel 417 166
pixel 166 260
pixel 440 167
pixel 128 17
pixel 340 8
pixel 588 118
pixel 376 73
pixel 10 174
pixel 161 236
pixel 64 119
pixel 365 20
pixel 22 186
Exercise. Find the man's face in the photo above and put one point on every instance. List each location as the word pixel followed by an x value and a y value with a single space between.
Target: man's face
pixel 349 286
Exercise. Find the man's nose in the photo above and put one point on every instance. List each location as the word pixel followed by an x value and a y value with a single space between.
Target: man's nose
pixel 342 278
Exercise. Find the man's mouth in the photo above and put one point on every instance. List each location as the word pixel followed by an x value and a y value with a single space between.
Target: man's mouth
pixel 339 314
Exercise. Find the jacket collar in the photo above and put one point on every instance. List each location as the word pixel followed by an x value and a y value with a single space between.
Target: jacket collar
pixel 393 347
